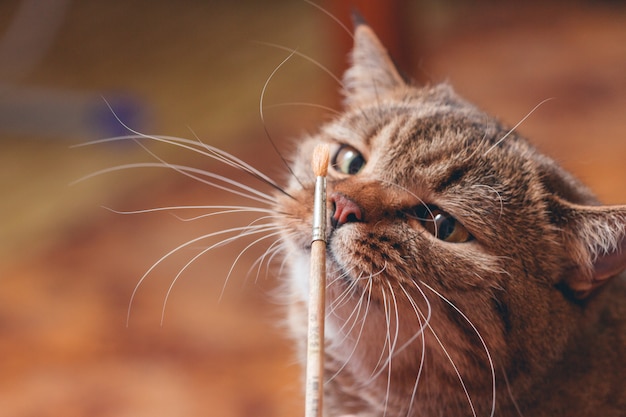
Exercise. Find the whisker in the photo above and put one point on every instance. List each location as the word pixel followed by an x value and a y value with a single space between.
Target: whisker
pixel 427 317
pixel 238 163
pixel 196 146
pixel 261 114
pixel 456 369
pixel 189 172
pixel 308 58
pixel 353 317
pixel 332 16
pixel 284 262
pixel 418 198
pixel 223 210
pixel 482 341
pixel 360 334
pixel 510 392
pixel 518 124
pixel 345 295
pixel 304 104
pixel 271 251
pixel 420 332
pixel 232 267
pixel 175 250
pixel 387 343
pixel 203 252
pixel 391 346
pixel 497 194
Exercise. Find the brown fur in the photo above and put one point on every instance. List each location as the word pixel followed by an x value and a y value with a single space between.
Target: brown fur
pixel 536 292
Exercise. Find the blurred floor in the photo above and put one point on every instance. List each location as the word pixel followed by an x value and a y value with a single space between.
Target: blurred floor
pixel 68 268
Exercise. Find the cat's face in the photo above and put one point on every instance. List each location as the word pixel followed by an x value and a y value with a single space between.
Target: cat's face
pixel 452 244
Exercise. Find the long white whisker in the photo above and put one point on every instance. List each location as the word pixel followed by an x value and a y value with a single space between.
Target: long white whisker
pixel 262 115
pixel 196 146
pixel 392 345
pixel 353 318
pixel 304 104
pixel 346 293
pixel 308 58
pixel 232 267
pixel 269 254
pixel 517 125
pixel 427 318
pixel 418 198
pixel 482 341
pixel 420 332
pixel 221 213
pixel 223 210
pixel 170 253
pixel 359 335
pixel 387 343
pixel 192 260
pixel 329 14
pixel 240 164
pixel 227 158
pixel 456 369
pixel 511 396
pixel 189 172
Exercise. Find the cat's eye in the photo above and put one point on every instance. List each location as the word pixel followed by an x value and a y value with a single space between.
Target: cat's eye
pixel 441 224
pixel 348 160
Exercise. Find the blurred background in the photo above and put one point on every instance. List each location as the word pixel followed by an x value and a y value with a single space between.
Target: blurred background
pixel 196 69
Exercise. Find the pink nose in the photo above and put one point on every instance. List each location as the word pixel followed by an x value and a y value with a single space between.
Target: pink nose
pixel 345 210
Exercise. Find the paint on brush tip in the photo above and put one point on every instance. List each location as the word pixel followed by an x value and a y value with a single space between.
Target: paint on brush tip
pixel 321 157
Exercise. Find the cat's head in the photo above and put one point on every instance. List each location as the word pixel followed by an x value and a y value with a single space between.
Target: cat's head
pixel 449 236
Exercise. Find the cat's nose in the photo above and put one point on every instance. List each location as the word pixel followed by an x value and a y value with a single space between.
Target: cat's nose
pixel 345 210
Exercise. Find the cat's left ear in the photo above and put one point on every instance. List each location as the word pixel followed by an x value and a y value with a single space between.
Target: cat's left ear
pixel 372 73
pixel 596 236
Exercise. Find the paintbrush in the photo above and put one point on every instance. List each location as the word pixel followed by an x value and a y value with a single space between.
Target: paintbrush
pixel 317 289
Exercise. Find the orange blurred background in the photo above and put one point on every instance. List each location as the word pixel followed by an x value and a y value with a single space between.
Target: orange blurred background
pixel 68 267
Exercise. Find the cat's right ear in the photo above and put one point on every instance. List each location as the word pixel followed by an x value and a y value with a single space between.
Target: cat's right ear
pixel 372 73
pixel 596 236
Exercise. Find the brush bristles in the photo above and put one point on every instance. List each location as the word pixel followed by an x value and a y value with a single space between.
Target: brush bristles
pixel 321 157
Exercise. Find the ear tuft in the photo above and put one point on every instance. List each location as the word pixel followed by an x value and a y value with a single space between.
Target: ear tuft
pixel 357 18
pixel 596 236
pixel 372 72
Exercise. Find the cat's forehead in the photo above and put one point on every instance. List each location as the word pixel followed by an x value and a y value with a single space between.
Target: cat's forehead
pixel 411 112
pixel 418 128
pixel 432 139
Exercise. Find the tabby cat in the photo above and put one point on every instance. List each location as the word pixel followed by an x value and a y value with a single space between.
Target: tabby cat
pixel 468 274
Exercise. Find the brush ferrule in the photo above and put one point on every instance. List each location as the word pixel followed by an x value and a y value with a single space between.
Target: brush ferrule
pixel 319 210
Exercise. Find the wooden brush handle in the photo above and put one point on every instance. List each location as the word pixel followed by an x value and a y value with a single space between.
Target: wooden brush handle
pixel 314 387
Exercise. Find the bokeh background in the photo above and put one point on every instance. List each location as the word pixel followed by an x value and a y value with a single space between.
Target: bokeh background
pixel 196 69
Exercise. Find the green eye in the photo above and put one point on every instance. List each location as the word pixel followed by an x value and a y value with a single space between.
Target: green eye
pixel 441 224
pixel 348 160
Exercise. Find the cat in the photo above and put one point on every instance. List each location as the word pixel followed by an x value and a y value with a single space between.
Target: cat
pixel 468 274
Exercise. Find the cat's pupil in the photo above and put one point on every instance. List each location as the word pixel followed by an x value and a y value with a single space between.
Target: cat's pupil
pixel 444 226
pixel 348 160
